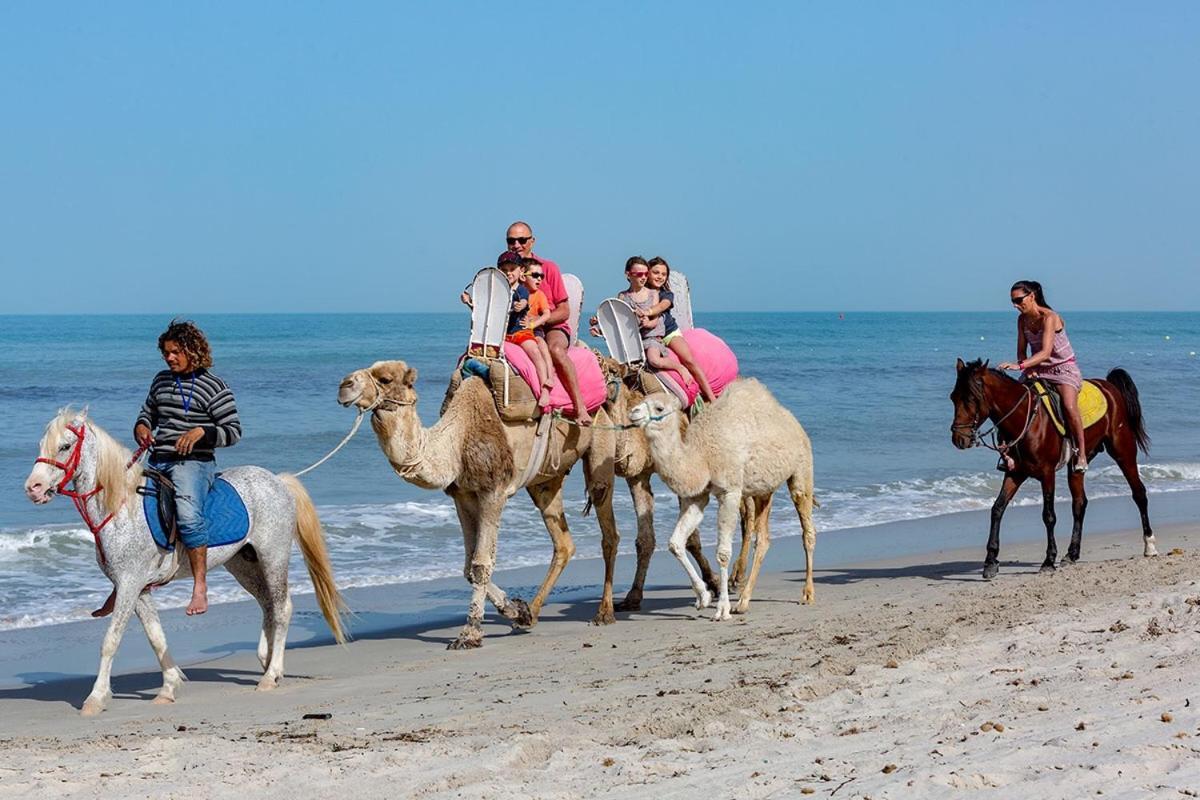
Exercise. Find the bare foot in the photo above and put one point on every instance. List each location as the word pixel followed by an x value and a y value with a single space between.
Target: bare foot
pixel 199 603
pixel 107 608
pixel 544 397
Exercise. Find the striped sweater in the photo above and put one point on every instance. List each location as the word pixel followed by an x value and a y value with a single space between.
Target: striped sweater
pixel 177 404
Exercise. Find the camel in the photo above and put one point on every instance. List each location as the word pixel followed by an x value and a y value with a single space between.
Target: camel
pixel 634 463
pixel 744 444
pixel 475 457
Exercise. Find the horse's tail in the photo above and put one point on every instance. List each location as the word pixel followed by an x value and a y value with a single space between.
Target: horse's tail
pixel 316 557
pixel 1133 406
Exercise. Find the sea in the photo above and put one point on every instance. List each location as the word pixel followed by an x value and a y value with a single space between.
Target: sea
pixel 871 389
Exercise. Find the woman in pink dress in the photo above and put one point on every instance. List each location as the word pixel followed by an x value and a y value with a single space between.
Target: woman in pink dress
pixel 1045 353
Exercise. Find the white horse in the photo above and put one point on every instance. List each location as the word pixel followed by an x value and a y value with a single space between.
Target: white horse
pixel 76 452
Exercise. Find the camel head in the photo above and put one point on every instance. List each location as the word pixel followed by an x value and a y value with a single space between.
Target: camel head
pixel 382 382
pixel 655 413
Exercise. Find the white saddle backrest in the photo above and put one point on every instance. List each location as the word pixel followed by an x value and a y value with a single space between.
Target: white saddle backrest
pixel 574 288
pixel 619 327
pixel 682 310
pixel 491 298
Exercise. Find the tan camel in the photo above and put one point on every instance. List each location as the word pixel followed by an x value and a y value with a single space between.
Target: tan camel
pixel 744 445
pixel 634 463
pixel 474 456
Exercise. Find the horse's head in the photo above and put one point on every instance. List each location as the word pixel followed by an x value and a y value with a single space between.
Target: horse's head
pixel 653 412
pixel 64 449
pixel 382 382
pixel 971 406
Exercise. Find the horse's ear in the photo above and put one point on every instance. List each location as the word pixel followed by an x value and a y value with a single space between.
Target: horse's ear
pixel 986 361
pixel 958 365
pixel 410 377
pixel 80 416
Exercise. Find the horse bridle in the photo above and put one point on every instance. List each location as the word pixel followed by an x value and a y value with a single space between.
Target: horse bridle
pixel 70 467
pixel 978 438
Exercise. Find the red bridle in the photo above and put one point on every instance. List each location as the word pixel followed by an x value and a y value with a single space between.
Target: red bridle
pixel 69 468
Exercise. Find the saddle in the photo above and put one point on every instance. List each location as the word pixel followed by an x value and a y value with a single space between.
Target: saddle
pixel 224 511
pixel 1093 405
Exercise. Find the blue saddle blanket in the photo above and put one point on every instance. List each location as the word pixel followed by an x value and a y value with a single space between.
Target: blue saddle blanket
pixel 224 511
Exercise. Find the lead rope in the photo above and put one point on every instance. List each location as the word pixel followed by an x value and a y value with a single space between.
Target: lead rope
pixel 362 412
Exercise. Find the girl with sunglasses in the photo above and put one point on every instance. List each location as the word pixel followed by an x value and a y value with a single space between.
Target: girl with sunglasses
pixel 642 298
pixel 659 280
pixel 1042 335
pixel 535 320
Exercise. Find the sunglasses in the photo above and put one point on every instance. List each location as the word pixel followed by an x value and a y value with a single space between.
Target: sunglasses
pixel 535 275
pixel 1016 301
pixel 517 239
pixel 639 274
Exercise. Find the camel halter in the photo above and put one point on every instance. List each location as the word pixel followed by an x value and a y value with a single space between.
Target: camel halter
pixel 69 468
pixel 380 400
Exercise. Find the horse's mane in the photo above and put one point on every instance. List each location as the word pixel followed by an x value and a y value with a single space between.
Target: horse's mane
pixel 973 387
pixel 117 481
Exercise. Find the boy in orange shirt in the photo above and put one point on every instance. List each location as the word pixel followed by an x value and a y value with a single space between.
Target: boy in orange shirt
pixel 535 318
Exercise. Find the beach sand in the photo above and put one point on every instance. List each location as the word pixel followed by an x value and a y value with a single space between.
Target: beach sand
pixel 910 677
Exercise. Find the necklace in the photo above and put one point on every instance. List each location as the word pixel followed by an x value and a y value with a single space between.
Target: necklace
pixel 187 401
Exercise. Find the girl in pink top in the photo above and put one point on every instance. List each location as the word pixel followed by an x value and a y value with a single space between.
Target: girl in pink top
pixel 1042 334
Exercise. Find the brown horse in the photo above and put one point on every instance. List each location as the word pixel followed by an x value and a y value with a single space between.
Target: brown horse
pixel 1022 431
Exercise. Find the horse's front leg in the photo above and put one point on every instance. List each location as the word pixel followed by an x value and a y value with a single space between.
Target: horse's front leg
pixel 1012 482
pixel 1049 519
pixel 127 597
pixel 173 676
pixel 1078 509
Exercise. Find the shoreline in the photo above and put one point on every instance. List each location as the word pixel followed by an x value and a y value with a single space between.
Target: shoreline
pixel 69 652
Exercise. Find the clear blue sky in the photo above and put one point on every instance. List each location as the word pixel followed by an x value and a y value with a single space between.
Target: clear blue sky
pixel 207 157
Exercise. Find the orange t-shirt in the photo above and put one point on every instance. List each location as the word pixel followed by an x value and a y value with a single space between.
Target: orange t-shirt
pixel 538 305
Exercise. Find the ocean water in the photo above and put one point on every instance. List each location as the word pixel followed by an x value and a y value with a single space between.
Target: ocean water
pixel 871 389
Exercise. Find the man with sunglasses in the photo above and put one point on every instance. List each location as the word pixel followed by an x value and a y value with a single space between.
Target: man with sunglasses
pixel 520 239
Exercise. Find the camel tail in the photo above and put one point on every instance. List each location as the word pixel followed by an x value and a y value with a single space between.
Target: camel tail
pixel 1133 406
pixel 316 557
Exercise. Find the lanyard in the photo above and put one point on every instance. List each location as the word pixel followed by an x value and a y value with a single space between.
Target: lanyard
pixel 187 401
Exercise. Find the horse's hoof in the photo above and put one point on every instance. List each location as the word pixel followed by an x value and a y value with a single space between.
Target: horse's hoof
pixel 266 684
pixel 990 571
pixel 1047 567
pixel 628 605
pixel 91 707
pixel 163 700
pixel 1068 561
pixel 466 642
pixel 522 616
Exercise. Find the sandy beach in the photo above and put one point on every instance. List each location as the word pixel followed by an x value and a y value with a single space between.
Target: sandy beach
pixel 910 677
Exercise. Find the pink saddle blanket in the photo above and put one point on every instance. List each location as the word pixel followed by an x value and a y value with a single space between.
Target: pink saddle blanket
pixel 714 357
pixel 587 369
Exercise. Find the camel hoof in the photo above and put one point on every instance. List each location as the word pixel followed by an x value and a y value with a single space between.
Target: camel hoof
pixel 1047 567
pixel 466 642
pixel 522 617
pixel 722 612
pixel 704 600
pixel 603 618
pixel 267 684
pixel 741 608
pixel 809 597
pixel 990 571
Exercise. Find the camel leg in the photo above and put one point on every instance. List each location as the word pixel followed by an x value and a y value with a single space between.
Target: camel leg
pixel 697 551
pixel 598 478
pixel 514 609
pixel 800 488
pixel 173 676
pixel 738 573
pixel 691 511
pixel 729 506
pixel 127 597
pixel 482 562
pixel 643 506
pixel 759 522
pixel 548 498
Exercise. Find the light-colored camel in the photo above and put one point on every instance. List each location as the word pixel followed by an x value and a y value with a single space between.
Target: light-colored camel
pixel 744 445
pixel 634 463
pixel 474 456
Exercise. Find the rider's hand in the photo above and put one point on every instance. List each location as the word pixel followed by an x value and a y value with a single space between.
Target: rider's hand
pixel 143 435
pixel 520 305
pixel 185 443
pixel 465 297
pixel 1009 365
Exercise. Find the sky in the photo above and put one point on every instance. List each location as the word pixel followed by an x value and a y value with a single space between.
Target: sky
pixel 188 158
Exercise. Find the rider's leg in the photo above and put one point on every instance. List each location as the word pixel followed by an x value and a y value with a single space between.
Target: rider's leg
pixel 1070 398
pixel 558 341
pixel 193 480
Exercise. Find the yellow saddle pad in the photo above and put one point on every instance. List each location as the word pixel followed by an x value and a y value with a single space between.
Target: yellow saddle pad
pixel 1093 405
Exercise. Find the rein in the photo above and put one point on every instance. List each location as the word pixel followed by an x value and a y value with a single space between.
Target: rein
pixel 981 438
pixel 69 468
